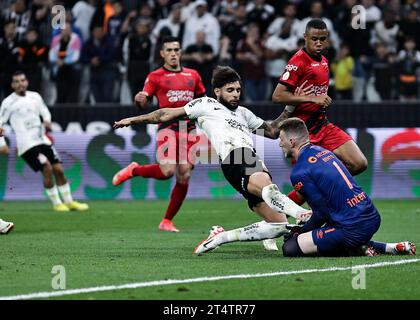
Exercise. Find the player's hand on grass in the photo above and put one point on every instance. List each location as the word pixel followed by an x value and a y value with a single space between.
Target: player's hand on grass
pixel 141 99
pixel 304 91
pixel 122 123
pixel 323 100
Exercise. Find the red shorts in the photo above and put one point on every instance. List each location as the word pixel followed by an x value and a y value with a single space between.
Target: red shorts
pixel 329 137
pixel 174 147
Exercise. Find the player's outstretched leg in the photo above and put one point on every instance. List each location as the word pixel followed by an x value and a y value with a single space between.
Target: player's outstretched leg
pixel 134 169
pixel 5 227
pixel 374 248
pixel 254 232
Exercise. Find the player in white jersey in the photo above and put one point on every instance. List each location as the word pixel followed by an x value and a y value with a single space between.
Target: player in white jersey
pixel 228 127
pixel 5 227
pixel 23 110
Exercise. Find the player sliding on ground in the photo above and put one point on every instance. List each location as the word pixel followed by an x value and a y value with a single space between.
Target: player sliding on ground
pixel 228 126
pixel 344 218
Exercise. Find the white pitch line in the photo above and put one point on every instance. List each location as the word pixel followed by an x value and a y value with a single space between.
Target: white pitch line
pixel 39 295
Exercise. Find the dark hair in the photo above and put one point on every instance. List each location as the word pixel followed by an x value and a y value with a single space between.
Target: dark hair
pixel 294 126
pixel 17 73
pixel 167 39
pixel 223 75
pixel 316 24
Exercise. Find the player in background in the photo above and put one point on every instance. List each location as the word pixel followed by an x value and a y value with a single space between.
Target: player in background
pixel 344 218
pixel 5 227
pixel 308 64
pixel 228 126
pixel 173 86
pixel 23 110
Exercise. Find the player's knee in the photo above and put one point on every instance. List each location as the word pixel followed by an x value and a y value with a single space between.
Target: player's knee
pixel 358 166
pixel 168 171
pixel 291 248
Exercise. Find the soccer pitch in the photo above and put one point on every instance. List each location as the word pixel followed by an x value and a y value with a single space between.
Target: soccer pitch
pixel 117 243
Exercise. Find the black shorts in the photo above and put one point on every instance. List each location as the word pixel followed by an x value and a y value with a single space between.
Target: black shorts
pixel 238 166
pixel 37 156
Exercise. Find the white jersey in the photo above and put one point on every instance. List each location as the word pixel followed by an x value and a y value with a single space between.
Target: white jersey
pixel 226 129
pixel 23 113
pixel 2 142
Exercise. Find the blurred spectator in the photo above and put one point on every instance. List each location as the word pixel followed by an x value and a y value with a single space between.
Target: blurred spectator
pixel 64 56
pixel 250 55
pixel 382 67
pixel 115 23
pixel 41 19
pixel 9 54
pixel 279 48
pixel 289 14
pixel 232 33
pixel 161 9
pixel 187 10
pixel 342 70
pixel 408 6
pixel 408 64
pixel 410 26
pixel 137 50
pixel 145 12
pixel 157 59
pixel 260 13
pixel 202 21
pixel 373 13
pixel 317 12
pixel 33 56
pixel 99 52
pixel 173 23
pixel 19 13
pixel 224 10
pixel 82 13
pixel 386 31
pixel 343 17
pixel 200 56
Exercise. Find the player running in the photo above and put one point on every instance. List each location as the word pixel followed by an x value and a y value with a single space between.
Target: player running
pixel 24 109
pixel 173 86
pixel 310 66
pixel 228 126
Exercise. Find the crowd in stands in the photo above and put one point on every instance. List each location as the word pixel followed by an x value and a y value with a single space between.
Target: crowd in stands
pixel 108 47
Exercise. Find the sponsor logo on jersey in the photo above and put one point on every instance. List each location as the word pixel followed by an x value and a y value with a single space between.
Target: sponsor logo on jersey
pixel 180 95
pixel 320 90
pixel 291 67
pixel 235 124
pixel 286 75
pixel 312 159
pixel 193 103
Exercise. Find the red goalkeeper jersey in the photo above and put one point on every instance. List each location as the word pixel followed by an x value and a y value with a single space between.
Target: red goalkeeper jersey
pixel 174 90
pixel 302 67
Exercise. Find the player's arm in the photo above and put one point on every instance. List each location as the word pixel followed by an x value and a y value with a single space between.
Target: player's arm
pixel 282 95
pixel 158 116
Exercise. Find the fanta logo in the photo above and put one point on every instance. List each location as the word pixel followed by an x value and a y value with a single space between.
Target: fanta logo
pixel 298 186
pixel 312 159
pixel 291 67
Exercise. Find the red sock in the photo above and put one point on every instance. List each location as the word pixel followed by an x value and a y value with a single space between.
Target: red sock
pixel 149 171
pixel 177 197
pixel 297 199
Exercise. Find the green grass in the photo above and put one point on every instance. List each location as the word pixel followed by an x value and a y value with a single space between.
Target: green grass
pixel 117 242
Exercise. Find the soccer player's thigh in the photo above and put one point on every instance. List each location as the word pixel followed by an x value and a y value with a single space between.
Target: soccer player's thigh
pixel 36 159
pixel 326 241
pixel 166 151
pixel 257 181
pixel 268 214
pixel 352 157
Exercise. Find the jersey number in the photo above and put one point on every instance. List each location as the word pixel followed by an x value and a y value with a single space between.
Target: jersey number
pixel 343 174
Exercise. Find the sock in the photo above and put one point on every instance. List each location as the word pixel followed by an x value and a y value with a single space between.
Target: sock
pixel 53 195
pixel 65 193
pixel 380 247
pixel 280 202
pixel 256 231
pixel 149 171
pixel 177 197
pixel 296 199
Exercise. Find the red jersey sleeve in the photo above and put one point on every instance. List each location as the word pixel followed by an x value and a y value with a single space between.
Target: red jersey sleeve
pixel 200 90
pixel 292 72
pixel 150 85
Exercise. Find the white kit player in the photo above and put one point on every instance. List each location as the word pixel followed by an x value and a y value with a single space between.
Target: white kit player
pixel 5 227
pixel 228 126
pixel 23 110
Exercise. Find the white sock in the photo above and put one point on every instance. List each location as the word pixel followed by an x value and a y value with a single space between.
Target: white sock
pixel 280 202
pixel 390 248
pixel 254 232
pixel 65 193
pixel 53 195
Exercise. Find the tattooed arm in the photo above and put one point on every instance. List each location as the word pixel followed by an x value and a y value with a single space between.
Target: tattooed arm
pixel 158 116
